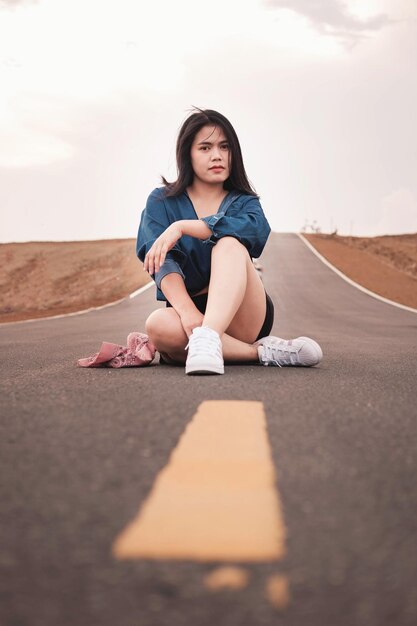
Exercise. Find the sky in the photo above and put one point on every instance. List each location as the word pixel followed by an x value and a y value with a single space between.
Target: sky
pixel 322 94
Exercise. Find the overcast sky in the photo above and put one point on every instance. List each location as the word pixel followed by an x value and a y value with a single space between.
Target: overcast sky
pixel 322 94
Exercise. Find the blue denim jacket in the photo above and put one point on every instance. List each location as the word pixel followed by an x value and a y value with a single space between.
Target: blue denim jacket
pixel 239 215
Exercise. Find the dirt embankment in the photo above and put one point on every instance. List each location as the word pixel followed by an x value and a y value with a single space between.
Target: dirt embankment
pixel 385 265
pixel 39 279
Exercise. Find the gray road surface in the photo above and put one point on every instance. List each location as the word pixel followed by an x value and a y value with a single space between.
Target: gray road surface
pixel 80 450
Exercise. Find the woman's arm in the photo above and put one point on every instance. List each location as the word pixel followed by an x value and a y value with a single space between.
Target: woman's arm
pixel 153 223
pixel 155 257
pixel 244 220
pixel 173 288
pixel 172 284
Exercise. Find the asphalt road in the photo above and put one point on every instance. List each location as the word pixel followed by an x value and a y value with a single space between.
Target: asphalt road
pixel 80 450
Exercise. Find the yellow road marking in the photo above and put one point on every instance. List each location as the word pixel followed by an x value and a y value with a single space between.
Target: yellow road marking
pixel 277 591
pixel 228 577
pixel 216 499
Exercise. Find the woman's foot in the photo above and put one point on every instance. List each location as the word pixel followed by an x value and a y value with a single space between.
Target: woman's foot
pixel 280 352
pixel 205 355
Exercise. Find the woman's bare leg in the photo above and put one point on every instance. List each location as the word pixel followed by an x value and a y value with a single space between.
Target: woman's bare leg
pixel 236 301
pixel 167 334
pixel 236 304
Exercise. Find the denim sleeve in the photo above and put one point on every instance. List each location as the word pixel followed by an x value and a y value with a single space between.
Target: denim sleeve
pixel 153 222
pixel 246 222
pixel 169 267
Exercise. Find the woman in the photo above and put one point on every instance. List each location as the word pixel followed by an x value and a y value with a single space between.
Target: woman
pixel 197 237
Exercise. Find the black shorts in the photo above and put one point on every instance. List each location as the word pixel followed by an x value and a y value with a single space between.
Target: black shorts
pixel 201 303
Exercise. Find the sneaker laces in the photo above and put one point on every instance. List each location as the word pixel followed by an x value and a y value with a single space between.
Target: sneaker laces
pixel 283 353
pixel 204 341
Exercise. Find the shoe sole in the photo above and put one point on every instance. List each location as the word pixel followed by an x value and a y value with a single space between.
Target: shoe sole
pixel 201 370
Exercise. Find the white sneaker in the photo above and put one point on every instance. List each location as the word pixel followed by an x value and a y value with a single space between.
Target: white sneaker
pixel 301 351
pixel 205 355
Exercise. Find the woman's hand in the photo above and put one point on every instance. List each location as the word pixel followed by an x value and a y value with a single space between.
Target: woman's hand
pixel 190 319
pixel 155 257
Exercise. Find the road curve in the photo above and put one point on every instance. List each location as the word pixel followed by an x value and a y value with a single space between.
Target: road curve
pixel 80 450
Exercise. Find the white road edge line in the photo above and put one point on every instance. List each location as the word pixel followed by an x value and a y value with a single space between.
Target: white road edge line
pixel 352 282
pixel 94 308
pixel 141 290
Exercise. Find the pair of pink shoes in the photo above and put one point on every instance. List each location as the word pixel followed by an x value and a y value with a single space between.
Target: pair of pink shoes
pixel 138 353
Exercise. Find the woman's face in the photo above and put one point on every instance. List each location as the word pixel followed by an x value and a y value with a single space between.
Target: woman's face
pixel 210 155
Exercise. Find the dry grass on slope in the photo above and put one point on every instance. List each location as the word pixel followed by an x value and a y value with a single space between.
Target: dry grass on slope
pixel 39 279
pixel 385 265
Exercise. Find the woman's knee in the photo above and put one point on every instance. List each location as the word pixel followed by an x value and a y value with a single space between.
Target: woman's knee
pixel 228 244
pixel 165 329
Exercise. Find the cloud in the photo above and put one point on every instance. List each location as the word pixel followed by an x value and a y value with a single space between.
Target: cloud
pixel 332 18
pixel 14 3
pixel 24 147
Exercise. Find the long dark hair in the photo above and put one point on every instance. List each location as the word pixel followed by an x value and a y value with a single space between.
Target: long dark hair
pixel 237 180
